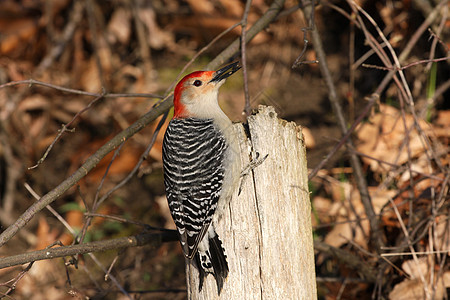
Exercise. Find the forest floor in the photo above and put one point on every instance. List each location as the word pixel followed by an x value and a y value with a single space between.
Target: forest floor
pixel 98 48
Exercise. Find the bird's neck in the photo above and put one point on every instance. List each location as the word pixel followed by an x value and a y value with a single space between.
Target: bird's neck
pixel 209 109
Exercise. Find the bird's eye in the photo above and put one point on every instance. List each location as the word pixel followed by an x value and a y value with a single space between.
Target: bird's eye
pixel 198 83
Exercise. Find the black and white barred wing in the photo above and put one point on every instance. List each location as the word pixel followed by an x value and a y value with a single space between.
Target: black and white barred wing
pixel 193 154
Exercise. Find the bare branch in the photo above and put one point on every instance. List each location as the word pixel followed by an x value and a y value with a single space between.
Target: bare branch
pixel 247 108
pixel 150 239
pixel 311 25
pixel 32 82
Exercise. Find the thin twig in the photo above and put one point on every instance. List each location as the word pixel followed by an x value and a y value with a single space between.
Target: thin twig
pixel 107 276
pixel 124 220
pixel 247 107
pixel 13 282
pixel 416 253
pixel 91 16
pixel 436 37
pixel 311 25
pixel 142 37
pixel 62 131
pixel 104 94
pixel 98 202
pixel 76 16
pixel 153 240
pixel 423 61
pixel 54 212
pixel 351 79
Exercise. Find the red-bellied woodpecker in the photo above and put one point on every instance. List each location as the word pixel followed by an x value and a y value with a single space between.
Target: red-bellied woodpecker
pixel 201 168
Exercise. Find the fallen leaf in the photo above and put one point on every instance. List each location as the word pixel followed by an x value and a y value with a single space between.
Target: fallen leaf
pixel 416 268
pixel 383 137
pixel 119 26
pixel 309 138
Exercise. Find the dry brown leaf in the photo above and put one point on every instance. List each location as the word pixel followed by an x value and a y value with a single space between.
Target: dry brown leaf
pixel 34 127
pixel 107 60
pixel 38 128
pixel 384 135
pixel 416 268
pixel 41 282
pixel 61 115
pixel 345 232
pixel 442 236
pixel 156 151
pixel 156 37
pixel 34 102
pixel 45 235
pixel 380 197
pixel 123 163
pixel 414 290
pixel 339 190
pixel 233 8
pixel 165 212
pixel 443 118
pixel 90 80
pixel 74 105
pixel 321 207
pixel 75 218
pixel 347 208
pixel 204 7
pixel 309 138
pixel 207 27
pixel 422 164
pixel 119 26
pixel 16 35
pixel 446 279
pixel 413 287
pixel 442 126
pixel 139 84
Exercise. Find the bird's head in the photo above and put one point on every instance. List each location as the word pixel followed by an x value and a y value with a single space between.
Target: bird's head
pixel 196 94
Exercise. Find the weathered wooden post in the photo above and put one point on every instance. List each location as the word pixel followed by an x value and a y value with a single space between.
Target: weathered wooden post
pixel 267 230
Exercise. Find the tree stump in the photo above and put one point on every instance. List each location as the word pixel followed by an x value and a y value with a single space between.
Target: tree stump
pixel 266 231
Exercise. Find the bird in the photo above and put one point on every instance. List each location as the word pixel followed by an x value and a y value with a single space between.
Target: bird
pixel 201 167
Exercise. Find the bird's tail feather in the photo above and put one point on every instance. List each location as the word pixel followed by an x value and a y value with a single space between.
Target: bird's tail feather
pixel 213 261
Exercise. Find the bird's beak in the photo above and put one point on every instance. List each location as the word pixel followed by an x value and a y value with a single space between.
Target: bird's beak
pixel 225 72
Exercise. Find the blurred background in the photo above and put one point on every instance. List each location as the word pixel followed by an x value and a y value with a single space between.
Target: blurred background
pixel 121 46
